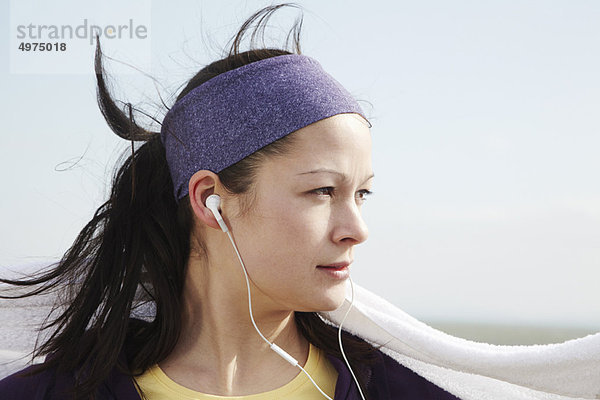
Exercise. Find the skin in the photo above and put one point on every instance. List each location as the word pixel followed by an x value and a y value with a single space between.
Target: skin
pixel 295 224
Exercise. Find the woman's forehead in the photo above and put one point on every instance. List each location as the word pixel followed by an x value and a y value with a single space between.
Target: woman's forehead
pixel 341 143
pixel 342 132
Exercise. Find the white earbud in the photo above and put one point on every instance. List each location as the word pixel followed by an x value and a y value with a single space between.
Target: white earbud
pixel 212 203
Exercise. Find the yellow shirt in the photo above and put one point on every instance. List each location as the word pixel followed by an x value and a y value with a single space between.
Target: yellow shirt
pixel 156 385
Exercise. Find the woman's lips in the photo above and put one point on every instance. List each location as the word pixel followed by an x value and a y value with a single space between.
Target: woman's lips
pixel 332 268
pixel 339 265
pixel 337 270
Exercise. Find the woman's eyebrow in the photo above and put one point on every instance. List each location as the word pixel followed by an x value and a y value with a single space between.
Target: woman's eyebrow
pixel 343 176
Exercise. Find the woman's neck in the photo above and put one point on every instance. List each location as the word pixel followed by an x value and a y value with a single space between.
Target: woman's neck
pixel 220 352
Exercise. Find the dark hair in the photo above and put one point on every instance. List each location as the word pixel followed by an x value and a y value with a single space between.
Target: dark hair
pixel 135 248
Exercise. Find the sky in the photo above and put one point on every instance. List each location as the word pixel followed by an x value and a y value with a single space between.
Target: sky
pixel 486 134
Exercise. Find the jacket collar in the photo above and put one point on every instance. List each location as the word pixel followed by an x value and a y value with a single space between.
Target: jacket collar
pixel 345 387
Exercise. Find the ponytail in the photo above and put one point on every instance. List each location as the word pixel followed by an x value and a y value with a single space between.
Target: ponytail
pixel 138 240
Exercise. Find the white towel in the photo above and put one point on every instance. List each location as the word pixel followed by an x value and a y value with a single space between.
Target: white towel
pixel 471 370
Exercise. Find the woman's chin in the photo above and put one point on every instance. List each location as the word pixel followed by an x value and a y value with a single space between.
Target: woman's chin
pixel 329 299
pixel 334 306
pixel 334 300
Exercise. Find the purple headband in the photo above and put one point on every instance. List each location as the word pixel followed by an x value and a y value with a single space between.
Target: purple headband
pixel 238 112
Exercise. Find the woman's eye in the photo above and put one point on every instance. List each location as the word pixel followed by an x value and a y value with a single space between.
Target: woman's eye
pixel 327 191
pixel 363 194
pixel 330 191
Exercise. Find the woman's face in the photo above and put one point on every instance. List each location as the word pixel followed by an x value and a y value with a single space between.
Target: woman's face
pixel 307 213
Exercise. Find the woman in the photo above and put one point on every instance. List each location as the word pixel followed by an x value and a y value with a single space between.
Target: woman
pixel 237 222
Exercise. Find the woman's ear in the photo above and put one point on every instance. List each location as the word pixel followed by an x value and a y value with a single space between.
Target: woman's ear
pixel 201 185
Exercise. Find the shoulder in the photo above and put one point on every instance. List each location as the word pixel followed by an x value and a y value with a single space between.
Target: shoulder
pixel 44 381
pixel 47 384
pixel 25 385
pixel 385 378
pixel 388 375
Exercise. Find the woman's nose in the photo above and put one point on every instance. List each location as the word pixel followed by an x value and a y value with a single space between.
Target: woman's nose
pixel 350 225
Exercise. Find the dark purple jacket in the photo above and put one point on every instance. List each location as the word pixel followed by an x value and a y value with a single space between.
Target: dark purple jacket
pixel 385 380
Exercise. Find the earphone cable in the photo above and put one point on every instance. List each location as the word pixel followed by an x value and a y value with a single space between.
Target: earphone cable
pixel 340 339
pixel 273 346
pixel 248 286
